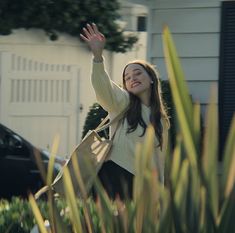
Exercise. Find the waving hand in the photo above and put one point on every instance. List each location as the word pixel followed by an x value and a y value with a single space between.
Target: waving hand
pixel 95 40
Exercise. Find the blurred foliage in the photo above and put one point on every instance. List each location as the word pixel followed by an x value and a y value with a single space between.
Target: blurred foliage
pixel 16 216
pixel 66 16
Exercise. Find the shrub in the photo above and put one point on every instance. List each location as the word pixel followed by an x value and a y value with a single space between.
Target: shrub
pixel 66 16
pixel 94 117
pixel 16 216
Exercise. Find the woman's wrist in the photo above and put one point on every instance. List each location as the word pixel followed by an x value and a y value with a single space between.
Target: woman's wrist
pixel 98 58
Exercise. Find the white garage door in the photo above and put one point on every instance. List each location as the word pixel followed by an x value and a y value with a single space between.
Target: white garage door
pixel 40 100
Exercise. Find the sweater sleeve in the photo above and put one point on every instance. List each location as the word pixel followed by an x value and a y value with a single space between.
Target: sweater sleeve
pixel 108 94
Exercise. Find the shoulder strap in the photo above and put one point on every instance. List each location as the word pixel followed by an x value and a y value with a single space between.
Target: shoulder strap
pixel 102 126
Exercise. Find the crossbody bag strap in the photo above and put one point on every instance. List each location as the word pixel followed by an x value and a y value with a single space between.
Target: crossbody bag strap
pixel 102 122
pixel 102 126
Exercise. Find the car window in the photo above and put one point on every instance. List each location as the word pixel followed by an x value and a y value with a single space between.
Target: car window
pixel 15 141
pixel 1 143
pixel 2 138
pixel 11 144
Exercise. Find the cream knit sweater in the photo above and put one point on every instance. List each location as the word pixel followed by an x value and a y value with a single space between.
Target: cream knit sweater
pixel 114 99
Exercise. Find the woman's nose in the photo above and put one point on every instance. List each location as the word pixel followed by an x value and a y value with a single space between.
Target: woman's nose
pixel 133 77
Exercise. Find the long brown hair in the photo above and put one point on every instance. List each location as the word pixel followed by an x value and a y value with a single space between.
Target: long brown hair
pixel 157 106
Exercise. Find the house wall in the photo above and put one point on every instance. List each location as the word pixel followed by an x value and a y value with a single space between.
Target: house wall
pixel 195 27
pixel 130 13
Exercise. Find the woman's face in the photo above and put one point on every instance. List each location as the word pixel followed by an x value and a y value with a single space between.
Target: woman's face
pixel 137 80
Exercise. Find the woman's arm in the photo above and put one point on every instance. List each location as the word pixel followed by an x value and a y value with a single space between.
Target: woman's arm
pixel 109 95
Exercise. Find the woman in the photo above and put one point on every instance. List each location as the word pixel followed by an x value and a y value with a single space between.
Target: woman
pixel 140 99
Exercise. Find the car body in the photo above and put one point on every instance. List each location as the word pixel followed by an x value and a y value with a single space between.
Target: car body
pixel 21 165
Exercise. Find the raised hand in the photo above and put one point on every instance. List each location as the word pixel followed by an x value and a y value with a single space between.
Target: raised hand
pixel 94 39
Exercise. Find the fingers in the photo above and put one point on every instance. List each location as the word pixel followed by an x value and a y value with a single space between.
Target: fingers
pixel 91 31
pixel 83 37
pixel 88 32
pixel 95 29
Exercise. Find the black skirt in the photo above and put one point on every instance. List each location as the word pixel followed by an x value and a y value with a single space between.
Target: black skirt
pixel 116 180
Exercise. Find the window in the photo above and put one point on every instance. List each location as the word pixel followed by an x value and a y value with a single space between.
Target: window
pixel 141 23
pixel 226 70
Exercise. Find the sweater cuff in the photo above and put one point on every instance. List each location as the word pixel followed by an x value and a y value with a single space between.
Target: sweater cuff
pixel 97 68
pixel 101 61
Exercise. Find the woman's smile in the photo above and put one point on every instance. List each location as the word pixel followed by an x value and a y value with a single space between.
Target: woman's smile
pixel 135 84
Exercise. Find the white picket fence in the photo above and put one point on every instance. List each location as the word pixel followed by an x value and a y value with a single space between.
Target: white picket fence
pixel 40 100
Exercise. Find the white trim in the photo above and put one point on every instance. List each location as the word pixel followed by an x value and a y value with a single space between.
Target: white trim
pixel 156 4
pixel 141 2
pixel 183 4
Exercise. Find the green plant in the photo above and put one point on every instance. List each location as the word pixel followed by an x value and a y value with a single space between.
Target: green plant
pixel 67 16
pixel 195 199
pixel 16 215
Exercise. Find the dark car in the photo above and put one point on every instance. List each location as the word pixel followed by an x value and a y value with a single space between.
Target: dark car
pixel 19 170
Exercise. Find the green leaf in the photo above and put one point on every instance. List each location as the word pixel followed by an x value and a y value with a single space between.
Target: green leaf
pixel 228 176
pixel 210 155
pixel 175 171
pixel 181 191
pixel 226 219
pixel 180 95
pixel 178 202
pixel 145 182
pixel 54 150
pixel 202 214
pixel 83 193
pixel 58 225
pixel 71 200
pixel 37 214
pixel 104 207
pixel 197 124
pixel 165 222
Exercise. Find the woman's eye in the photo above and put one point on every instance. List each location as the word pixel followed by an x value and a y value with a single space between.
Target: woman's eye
pixel 138 73
pixel 127 78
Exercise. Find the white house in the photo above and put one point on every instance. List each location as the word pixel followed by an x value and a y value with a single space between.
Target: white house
pixel 45 85
pixel 204 34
